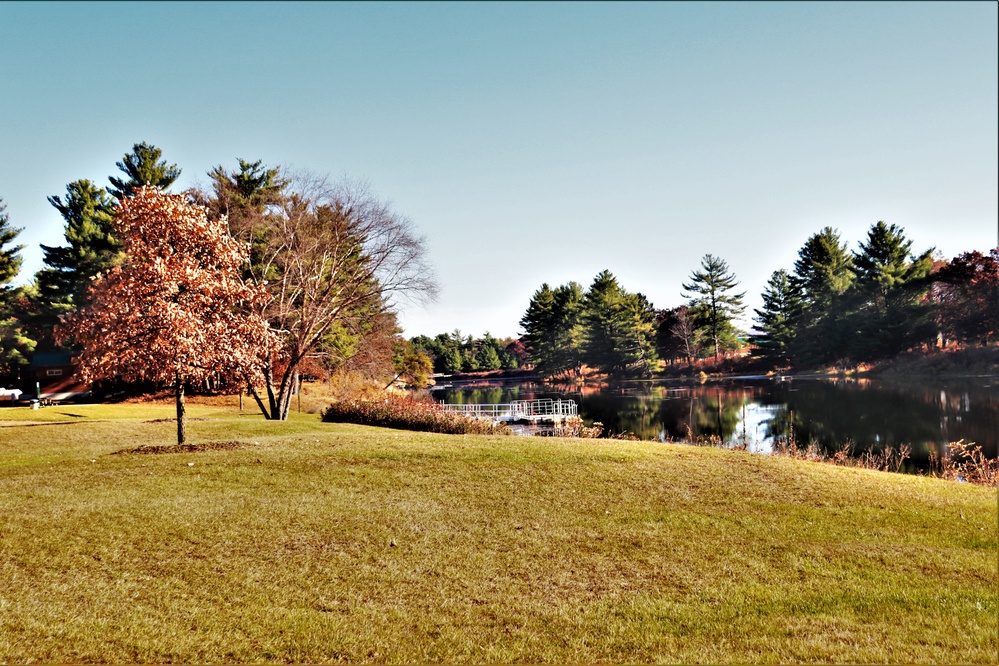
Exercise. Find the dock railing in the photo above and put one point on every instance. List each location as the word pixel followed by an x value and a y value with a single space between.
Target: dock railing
pixel 545 409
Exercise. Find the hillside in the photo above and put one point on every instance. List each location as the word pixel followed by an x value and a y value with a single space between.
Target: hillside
pixel 305 541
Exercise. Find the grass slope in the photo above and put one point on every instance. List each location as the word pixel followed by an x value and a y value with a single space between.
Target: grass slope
pixel 319 542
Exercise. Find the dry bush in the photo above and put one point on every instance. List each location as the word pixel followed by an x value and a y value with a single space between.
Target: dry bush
pixel 574 427
pixel 964 461
pixel 408 413
pixel 811 451
pixel 888 459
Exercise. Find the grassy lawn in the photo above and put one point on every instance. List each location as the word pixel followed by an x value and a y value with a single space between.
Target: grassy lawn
pixel 319 542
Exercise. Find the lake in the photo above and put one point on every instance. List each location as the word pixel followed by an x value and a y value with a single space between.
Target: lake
pixel 867 414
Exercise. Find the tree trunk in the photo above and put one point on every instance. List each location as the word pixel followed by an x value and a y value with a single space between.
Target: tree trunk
pixel 287 390
pixel 181 411
pixel 260 403
pixel 391 381
pixel 269 381
pixel 279 400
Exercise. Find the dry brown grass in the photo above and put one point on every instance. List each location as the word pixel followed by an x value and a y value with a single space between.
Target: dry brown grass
pixel 322 542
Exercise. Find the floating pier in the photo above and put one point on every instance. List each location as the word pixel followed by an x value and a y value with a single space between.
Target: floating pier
pixel 546 411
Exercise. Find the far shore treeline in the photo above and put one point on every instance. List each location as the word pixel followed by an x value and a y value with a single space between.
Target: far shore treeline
pixel 325 260
pixel 833 308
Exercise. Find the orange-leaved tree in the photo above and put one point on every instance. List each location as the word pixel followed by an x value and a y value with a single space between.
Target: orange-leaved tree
pixel 176 309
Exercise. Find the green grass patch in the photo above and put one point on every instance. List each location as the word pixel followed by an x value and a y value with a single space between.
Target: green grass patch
pixel 311 541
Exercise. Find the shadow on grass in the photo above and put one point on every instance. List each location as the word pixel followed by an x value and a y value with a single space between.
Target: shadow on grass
pixel 19 424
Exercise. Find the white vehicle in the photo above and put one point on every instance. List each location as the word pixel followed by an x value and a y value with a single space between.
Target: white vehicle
pixel 13 395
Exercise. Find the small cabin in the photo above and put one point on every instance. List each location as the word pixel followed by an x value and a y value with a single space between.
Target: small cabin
pixel 55 373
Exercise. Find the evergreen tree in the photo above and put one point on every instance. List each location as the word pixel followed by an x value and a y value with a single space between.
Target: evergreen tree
pixel 10 257
pixel 619 328
pixel 539 330
pixel 245 198
pixel 487 358
pixel 449 351
pixel 823 273
pixel 143 166
pixel 454 352
pixel 553 329
pixel 15 344
pixel 711 304
pixel 248 190
pixel 638 340
pixel 465 344
pixel 885 263
pixel 889 315
pixel 488 354
pixel 824 269
pixel 602 325
pixel 778 319
pixel 92 248
pixel 451 360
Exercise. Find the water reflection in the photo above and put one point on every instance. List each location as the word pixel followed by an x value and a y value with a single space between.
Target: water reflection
pixel 759 412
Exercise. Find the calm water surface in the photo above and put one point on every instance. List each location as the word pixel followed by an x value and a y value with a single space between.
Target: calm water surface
pixel 867 414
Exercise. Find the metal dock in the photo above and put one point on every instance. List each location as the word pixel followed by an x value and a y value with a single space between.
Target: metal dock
pixel 520 411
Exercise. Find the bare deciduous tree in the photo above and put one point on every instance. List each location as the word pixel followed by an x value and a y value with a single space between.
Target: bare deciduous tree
pixel 685 332
pixel 332 257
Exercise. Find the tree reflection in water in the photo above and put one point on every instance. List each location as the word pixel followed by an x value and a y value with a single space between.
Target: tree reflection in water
pixel 759 412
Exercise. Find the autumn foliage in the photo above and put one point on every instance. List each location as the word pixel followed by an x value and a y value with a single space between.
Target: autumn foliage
pixel 176 310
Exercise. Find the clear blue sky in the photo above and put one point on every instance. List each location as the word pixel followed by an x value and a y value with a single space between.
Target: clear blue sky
pixel 528 142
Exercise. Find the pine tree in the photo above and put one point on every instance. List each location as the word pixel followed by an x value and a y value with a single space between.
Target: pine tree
pixel 823 273
pixel 778 319
pixel 713 307
pixel 553 329
pixel 487 358
pixel 885 263
pixel 638 339
pixel 488 353
pixel 244 197
pixel 888 314
pixel 92 248
pixel 619 328
pixel 249 189
pixel 450 358
pixel 824 269
pixel 15 344
pixel 602 325
pixel 143 166
pixel 10 257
